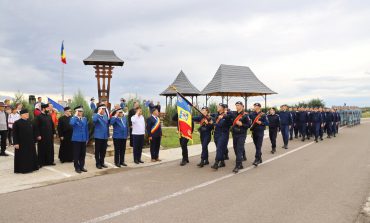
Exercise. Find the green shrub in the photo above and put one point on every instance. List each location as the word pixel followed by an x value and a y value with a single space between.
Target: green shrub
pixel 19 98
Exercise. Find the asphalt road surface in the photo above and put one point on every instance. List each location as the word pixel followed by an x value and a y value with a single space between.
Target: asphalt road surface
pixel 310 182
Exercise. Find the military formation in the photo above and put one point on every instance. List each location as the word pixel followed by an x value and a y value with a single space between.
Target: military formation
pixel 73 130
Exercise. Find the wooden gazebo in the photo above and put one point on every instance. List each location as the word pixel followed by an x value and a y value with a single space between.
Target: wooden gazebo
pixel 104 62
pixel 184 86
pixel 236 81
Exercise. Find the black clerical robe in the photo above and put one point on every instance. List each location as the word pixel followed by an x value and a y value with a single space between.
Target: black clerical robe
pixel 25 157
pixel 65 131
pixel 44 127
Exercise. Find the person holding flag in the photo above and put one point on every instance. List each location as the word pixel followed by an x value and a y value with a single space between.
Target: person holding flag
pixel 185 125
pixel 154 131
pixel 259 123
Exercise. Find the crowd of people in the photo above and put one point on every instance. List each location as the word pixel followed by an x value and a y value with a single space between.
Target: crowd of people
pixel 72 129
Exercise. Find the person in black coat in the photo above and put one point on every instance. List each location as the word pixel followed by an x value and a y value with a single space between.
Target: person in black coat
pixel 274 127
pixel 154 131
pixel 65 131
pixel 25 157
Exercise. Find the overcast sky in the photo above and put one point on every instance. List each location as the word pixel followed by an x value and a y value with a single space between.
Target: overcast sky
pixel 300 49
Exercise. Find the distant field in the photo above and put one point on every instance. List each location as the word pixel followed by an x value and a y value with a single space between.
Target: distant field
pixel 366 114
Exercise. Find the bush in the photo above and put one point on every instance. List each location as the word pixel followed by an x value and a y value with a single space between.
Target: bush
pixel 171 110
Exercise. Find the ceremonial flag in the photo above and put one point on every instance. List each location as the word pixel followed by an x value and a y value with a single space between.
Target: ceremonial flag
pixel 185 118
pixel 56 105
pixel 63 57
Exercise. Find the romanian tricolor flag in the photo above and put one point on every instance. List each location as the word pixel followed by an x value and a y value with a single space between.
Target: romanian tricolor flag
pixel 63 57
pixel 185 118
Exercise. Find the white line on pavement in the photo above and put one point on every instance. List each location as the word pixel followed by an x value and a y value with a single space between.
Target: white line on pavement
pixel 185 191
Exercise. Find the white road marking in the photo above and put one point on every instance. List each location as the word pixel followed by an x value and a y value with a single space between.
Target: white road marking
pixel 185 191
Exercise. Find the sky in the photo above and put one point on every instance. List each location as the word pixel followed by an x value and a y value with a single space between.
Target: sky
pixel 302 49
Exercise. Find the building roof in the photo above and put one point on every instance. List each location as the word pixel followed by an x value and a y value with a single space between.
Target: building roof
pixel 183 85
pixel 231 80
pixel 103 57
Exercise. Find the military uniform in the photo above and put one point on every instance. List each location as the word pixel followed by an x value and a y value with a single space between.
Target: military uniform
pixel 274 127
pixel 205 130
pixel 286 121
pixel 258 131
pixel 302 120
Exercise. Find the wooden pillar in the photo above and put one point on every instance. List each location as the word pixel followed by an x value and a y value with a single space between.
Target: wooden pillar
pixel 265 102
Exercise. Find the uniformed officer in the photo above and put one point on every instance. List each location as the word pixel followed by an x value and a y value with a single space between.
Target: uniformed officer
pixel 336 120
pixel 239 128
pixel 323 117
pixel 205 130
pixel 302 120
pixel 101 134
pixel 286 122
pixel 329 120
pixel 315 120
pixel 80 138
pixel 120 134
pixel 259 123
pixel 292 128
pixel 223 122
pixel 274 127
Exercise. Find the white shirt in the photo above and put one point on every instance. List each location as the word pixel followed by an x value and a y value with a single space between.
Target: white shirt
pixel 13 118
pixel 138 125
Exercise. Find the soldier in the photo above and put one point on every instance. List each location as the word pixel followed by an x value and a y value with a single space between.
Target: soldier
pixel 101 134
pixel 120 134
pixel 323 117
pixel 302 120
pixel 286 122
pixel 205 130
pixel 80 138
pixel 274 127
pixel 329 120
pixel 337 121
pixel 259 123
pixel 315 120
pixel 293 126
pixel 241 123
pixel 221 135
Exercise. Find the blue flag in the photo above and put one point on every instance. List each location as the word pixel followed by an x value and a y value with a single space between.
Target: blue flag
pixel 57 106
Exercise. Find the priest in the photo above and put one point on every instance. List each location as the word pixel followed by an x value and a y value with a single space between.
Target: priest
pixel 25 157
pixel 65 131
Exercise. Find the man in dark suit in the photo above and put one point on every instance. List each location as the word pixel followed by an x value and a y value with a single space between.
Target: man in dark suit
pixel 154 131
pixel 3 128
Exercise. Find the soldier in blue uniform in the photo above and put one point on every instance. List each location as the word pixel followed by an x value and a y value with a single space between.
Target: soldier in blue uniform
pixel 286 122
pixel 259 123
pixel 329 120
pixel 291 129
pixel 323 117
pixel 336 120
pixel 205 130
pixel 302 120
pixel 80 138
pixel 274 127
pixel 223 122
pixel 315 120
pixel 239 128
pixel 101 134
pixel 154 131
pixel 120 134
pixel 308 128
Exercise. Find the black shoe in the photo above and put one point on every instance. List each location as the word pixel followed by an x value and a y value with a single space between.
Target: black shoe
pixel 201 164
pixel 137 162
pixel 273 151
pixel 321 138
pixel 236 169
pixel 226 157
pixel 222 164
pixel 302 140
pixel 53 164
pixel 84 170
pixel 257 161
pixel 140 161
pixel 78 171
pixel 117 165
pixel 205 162
pixel 291 138
pixel 99 167
pixel 316 140
pixel 123 164
pixel 244 158
pixel 183 163
pixel 104 166
pixel 215 165
pixel 286 147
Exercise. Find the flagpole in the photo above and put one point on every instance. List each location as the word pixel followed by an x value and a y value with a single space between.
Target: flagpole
pixel 63 82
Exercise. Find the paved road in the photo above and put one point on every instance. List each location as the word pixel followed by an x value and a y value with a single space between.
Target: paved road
pixel 325 182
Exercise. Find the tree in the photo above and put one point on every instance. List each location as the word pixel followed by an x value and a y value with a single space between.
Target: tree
pixel 19 98
pixel 316 102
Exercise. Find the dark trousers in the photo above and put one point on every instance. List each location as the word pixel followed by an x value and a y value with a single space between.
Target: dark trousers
pixel 79 153
pixel 205 138
pixel 131 139
pixel 10 136
pixel 258 140
pixel 184 148
pixel 3 136
pixel 238 144
pixel 316 129
pixel 155 144
pixel 100 151
pixel 119 150
pixel 296 130
pixel 221 146
pixel 291 132
pixel 273 134
pixel 285 133
pixel 329 128
pixel 138 143
pixel 303 129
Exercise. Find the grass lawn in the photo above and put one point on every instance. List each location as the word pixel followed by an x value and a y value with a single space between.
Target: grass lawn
pixel 170 137
pixel 366 114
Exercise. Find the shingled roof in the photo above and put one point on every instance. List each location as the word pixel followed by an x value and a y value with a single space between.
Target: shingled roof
pixel 183 85
pixel 103 57
pixel 231 80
